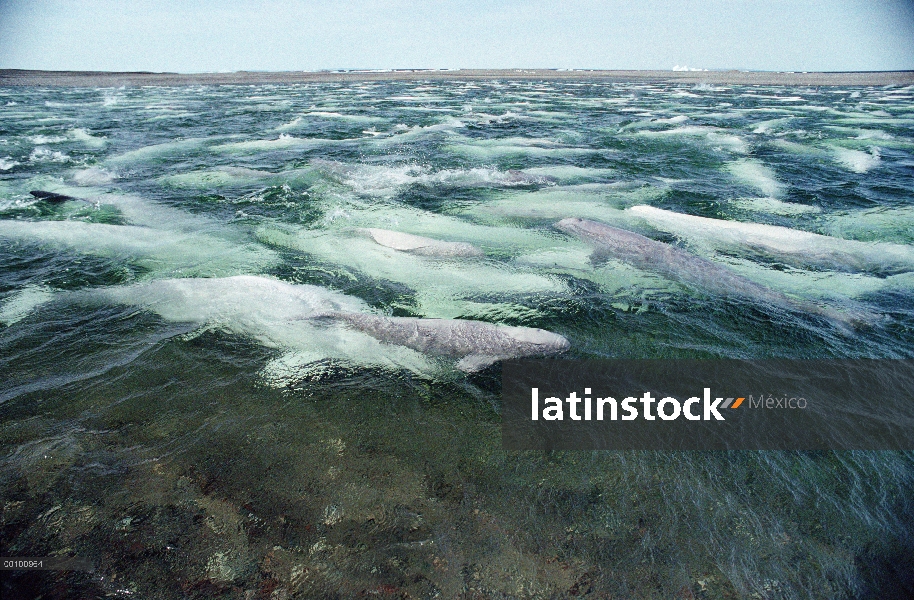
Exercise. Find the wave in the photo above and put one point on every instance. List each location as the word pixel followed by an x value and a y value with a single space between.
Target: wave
pixel 283 142
pixel 708 136
pixel 773 206
pixel 754 174
pixel 93 176
pixel 857 161
pixel 44 155
pixel 381 180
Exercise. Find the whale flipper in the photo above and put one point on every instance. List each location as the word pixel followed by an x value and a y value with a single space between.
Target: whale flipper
pixel 476 362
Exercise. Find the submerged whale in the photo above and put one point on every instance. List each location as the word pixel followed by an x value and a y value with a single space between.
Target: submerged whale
pixel 423 246
pixel 477 344
pixel 688 269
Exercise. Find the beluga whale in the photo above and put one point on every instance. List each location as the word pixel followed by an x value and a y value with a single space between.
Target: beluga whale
pixel 311 324
pixel 476 343
pixel 423 246
pixel 686 268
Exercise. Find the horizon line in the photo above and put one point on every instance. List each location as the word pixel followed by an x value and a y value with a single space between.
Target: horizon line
pixel 68 78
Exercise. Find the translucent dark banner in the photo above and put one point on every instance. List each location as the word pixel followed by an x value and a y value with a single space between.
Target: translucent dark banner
pixel 775 404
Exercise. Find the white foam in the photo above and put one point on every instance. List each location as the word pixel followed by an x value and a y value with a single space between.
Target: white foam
pixel 283 142
pixel 857 161
pixel 711 136
pixel 402 134
pixel 570 173
pixel 47 139
pixel 20 304
pixel 154 151
pixel 42 154
pixel 764 127
pixel 7 163
pixel 753 173
pixel 800 248
pixel 489 149
pixel 86 138
pixel 93 176
pixel 774 206
pixel 383 180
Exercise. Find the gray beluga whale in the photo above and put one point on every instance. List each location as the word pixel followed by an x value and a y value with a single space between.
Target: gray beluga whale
pixel 681 266
pixel 423 246
pixel 476 343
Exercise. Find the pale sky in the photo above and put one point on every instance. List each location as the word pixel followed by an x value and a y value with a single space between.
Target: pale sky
pixel 194 36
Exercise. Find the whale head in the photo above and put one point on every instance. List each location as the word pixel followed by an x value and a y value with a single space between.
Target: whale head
pixel 534 340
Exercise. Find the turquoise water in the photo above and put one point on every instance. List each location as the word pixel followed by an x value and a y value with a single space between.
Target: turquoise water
pixel 205 438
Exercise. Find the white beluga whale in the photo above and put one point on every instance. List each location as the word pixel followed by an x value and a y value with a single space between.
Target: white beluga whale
pixel 423 246
pixel 310 324
pixel 161 251
pixel 476 343
pixel 683 267
pixel 168 242
pixel 798 248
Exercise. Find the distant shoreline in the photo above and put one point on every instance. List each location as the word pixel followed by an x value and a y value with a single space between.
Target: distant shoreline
pixel 20 77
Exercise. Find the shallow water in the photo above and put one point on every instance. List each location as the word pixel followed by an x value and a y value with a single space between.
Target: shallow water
pixel 202 438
